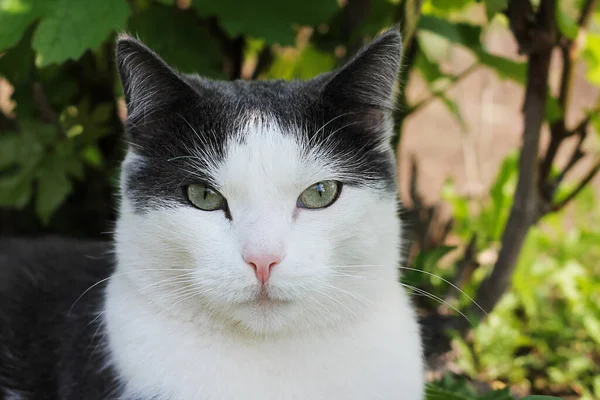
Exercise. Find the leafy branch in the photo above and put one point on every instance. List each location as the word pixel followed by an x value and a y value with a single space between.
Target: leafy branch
pixel 537 35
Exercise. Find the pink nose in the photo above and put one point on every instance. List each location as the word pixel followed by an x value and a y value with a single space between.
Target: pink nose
pixel 262 264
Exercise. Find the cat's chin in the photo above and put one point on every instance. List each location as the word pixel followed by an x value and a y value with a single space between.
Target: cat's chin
pixel 264 317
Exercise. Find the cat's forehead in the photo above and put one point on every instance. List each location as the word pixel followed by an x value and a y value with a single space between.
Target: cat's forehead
pixel 265 155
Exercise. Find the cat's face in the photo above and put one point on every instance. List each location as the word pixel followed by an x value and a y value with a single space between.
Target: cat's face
pixel 265 205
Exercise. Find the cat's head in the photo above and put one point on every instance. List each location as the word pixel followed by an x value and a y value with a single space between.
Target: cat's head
pixel 260 205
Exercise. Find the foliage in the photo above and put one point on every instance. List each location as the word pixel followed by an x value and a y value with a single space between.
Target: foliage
pixel 452 389
pixel 61 140
pixel 521 342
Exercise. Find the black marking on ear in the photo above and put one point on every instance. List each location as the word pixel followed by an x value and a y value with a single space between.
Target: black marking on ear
pixel 150 86
pixel 368 79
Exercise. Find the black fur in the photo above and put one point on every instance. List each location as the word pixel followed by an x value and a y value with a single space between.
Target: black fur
pixel 50 345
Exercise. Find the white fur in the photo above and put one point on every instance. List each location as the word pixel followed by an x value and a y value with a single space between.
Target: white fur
pixel 182 318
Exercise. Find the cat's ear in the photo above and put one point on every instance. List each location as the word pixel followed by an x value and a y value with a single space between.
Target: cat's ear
pixel 149 84
pixel 368 79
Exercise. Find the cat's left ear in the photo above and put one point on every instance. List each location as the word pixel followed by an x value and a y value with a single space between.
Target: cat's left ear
pixel 368 79
pixel 150 86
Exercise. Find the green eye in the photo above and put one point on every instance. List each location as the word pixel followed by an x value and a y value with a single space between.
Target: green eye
pixel 204 197
pixel 320 195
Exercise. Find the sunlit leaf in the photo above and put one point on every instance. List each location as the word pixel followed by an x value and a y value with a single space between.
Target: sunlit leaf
pixel 591 55
pixel 566 24
pixel 16 16
pixel 68 28
pixel 305 64
pixel 92 156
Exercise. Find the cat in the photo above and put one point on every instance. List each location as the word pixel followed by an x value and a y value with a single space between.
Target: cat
pixel 255 254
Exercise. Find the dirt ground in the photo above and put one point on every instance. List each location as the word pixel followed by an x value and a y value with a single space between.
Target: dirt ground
pixel 492 111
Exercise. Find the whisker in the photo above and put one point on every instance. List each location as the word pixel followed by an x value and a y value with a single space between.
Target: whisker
pixel 337 301
pixel 438 299
pixel 115 276
pixel 165 282
pixel 421 271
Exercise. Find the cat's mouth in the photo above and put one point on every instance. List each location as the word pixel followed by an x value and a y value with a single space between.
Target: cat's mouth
pixel 266 298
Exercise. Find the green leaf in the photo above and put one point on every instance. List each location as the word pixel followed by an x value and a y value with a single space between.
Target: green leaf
pixel 459 33
pixel 553 110
pixel 504 67
pixel 429 69
pixel 428 260
pixel 595 120
pixel 84 125
pixel 380 16
pixel 178 37
pixel 305 64
pixel 436 393
pixel 492 7
pixel 16 189
pixel 566 24
pixel 502 394
pixel 16 64
pixel 92 156
pixel 9 144
pixel 272 20
pixel 15 17
pixel 53 186
pixel 69 28
pixel 313 62
pixel 591 56
pixel 36 132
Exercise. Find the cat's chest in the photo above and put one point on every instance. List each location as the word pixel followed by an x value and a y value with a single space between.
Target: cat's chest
pixel 307 369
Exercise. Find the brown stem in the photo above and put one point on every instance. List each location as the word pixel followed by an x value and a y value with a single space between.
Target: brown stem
pixel 524 212
pixel 558 129
pixel 265 59
pixel 586 12
pixel 577 154
pixel 521 17
pixel 236 57
pixel 590 175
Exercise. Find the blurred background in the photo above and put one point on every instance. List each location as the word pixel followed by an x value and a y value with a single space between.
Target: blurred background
pixel 497 138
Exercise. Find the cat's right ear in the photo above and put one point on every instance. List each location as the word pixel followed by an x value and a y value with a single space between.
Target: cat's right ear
pixel 150 86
